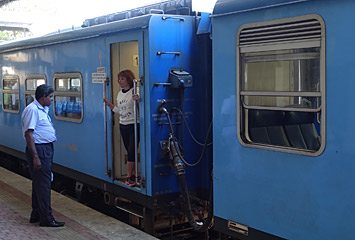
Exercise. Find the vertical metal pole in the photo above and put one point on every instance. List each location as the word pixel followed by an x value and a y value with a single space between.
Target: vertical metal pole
pixel 135 81
pixel 107 170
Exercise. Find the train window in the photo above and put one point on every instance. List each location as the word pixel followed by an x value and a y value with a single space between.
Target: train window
pixel 281 85
pixel 68 97
pixel 11 93
pixel 31 83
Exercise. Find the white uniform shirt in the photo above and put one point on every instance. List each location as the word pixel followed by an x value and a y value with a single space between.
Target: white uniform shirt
pixel 36 117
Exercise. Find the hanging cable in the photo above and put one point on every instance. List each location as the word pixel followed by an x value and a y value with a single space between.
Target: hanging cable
pixel 203 150
pixel 162 109
pixel 188 128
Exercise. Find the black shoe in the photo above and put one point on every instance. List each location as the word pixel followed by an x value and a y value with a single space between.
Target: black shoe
pixel 34 220
pixel 54 223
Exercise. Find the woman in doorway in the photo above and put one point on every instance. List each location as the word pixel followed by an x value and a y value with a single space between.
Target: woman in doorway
pixel 125 109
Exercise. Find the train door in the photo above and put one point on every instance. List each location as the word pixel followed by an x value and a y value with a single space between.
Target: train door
pixel 125 55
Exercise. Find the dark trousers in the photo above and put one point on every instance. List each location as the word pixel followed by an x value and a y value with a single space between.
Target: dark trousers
pixel 127 133
pixel 41 183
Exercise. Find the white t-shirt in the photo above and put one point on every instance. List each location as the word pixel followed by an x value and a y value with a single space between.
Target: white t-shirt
pixel 125 106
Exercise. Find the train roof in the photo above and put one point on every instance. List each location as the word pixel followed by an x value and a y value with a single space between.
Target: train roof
pixel 227 7
pixel 78 34
pixel 116 22
pixel 170 7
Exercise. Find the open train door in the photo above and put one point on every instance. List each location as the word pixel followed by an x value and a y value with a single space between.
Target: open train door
pixel 126 53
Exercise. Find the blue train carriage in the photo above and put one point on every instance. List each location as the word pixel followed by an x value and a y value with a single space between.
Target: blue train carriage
pixel 283 139
pixel 169 61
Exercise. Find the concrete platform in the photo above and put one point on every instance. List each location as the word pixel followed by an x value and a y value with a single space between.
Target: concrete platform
pixel 81 222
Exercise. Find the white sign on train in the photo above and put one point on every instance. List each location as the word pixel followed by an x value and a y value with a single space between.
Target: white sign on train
pixel 98 77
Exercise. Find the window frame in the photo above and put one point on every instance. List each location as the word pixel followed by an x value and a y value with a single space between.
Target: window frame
pixel 68 94
pixel 29 77
pixel 10 91
pixel 242 119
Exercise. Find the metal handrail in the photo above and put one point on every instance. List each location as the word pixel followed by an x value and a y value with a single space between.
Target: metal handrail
pixel 107 170
pixel 135 114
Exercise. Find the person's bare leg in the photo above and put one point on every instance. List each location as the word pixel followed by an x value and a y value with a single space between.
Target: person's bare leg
pixel 130 169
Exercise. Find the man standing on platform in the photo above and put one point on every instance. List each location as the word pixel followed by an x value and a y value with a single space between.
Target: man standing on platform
pixel 39 133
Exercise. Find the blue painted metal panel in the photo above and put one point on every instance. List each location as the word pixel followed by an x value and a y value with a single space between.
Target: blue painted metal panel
pixel 231 6
pixel 81 146
pixel 288 195
pixel 205 24
pixel 173 35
